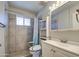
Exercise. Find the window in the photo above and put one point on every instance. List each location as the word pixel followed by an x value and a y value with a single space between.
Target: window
pixel 23 21
pixel 27 22
pixel 19 20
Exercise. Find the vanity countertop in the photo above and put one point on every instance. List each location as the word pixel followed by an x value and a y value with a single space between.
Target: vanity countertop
pixel 65 46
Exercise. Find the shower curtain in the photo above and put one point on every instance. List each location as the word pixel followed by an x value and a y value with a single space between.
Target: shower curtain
pixel 35 34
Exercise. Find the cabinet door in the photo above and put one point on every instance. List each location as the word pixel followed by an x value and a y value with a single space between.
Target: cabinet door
pixel 46 50
pixel 59 54
pixel 68 54
pixel 52 51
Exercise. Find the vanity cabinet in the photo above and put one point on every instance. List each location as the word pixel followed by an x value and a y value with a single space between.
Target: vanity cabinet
pixel 49 51
pixel 52 51
pixel 46 50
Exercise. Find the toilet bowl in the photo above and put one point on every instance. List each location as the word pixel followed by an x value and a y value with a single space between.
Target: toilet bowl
pixel 35 50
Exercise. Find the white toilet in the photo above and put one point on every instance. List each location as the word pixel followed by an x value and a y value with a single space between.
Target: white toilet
pixel 35 50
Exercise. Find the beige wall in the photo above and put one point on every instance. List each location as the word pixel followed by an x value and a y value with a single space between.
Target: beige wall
pixel 11 34
pixel 66 35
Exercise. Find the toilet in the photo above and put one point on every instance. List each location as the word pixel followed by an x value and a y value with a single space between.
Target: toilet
pixel 35 50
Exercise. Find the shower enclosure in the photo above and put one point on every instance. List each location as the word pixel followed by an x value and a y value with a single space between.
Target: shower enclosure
pixel 20 33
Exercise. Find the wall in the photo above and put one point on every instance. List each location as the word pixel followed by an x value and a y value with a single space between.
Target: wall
pixel 3 31
pixel 19 11
pixel 67 35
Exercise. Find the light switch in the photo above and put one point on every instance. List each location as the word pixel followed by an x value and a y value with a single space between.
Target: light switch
pixel 0 45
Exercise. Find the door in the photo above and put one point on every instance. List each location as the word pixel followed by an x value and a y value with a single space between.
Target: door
pixel 2 42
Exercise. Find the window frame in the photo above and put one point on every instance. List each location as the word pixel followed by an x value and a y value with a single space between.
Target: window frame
pixel 24 24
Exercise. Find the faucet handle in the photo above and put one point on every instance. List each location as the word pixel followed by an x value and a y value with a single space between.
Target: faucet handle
pixel 64 41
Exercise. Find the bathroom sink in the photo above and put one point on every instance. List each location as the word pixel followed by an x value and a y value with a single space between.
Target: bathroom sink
pixel 62 43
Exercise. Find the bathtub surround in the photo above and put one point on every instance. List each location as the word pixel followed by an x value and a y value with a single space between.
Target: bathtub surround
pixel 19 36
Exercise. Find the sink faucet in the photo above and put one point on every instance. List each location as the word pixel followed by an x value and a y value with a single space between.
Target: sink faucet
pixel 64 41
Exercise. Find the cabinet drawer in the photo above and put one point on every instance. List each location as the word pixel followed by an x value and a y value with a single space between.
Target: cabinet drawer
pixel 63 52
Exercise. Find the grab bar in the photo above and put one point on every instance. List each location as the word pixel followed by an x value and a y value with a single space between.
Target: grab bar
pixel 2 25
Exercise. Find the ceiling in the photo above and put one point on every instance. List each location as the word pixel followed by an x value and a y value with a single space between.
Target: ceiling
pixel 34 6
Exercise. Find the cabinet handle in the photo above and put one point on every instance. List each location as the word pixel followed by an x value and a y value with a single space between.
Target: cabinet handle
pixel 53 50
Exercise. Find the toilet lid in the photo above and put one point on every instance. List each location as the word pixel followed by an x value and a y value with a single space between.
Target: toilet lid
pixel 35 48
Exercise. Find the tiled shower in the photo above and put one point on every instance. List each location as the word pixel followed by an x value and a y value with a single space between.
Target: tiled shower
pixel 19 36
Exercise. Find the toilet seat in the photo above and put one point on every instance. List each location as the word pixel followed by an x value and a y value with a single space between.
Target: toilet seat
pixel 35 48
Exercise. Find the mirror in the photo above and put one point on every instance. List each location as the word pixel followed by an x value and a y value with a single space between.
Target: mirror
pixel 77 15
